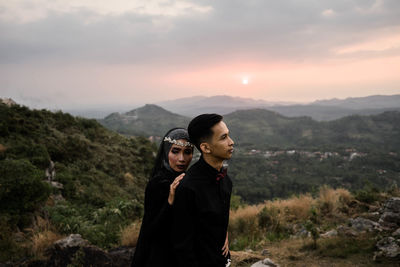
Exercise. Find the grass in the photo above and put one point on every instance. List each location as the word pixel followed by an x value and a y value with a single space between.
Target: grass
pixel 130 234
pixel 42 236
pixel 272 226
pixel 43 240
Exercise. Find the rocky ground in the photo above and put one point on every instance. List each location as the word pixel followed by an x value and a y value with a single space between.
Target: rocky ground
pixel 376 232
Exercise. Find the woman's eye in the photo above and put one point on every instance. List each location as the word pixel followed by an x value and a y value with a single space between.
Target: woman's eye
pixel 188 152
pixel 175 151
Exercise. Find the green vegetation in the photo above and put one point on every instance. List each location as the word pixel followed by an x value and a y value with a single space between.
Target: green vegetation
pixel 103 176
pixel 257 178
pixel 263 129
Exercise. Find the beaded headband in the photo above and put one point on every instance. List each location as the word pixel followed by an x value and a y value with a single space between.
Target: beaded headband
pixel 177 142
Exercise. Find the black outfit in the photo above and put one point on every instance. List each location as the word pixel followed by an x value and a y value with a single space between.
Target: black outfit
pixel 154 247
pixel 201 216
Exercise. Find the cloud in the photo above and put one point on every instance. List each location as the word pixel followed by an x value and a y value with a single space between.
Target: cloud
pixel 328 13
pixel 180 32
pixel 26 11
pixel 145 44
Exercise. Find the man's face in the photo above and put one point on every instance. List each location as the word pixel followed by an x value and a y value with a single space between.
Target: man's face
pixel 220 144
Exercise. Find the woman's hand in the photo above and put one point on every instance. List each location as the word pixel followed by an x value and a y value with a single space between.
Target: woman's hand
pixel 172 188
pixel 225 248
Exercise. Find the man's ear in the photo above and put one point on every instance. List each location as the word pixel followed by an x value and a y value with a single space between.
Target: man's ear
pixel 205 148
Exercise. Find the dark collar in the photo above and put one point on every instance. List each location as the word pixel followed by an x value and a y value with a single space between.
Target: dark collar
pixel 207 169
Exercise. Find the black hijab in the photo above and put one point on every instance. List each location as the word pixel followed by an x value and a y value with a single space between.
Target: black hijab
pixel 170 138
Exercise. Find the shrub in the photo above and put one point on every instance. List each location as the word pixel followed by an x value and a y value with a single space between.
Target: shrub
pixel 368 194
pixel 21 190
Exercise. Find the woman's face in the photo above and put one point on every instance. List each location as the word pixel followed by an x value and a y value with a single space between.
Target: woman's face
pixel 179 157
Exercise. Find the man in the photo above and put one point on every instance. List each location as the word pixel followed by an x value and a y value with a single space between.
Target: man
pixel 202 200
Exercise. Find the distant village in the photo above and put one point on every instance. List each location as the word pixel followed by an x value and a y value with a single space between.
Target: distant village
pixel 350 154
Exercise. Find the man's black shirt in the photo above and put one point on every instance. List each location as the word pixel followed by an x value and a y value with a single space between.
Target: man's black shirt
pixel 201 216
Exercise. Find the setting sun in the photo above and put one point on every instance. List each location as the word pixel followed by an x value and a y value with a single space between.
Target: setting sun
pixel 245 81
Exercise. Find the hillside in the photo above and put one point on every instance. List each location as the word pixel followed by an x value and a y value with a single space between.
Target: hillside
pixel 149 120
pixel 277 156
pixel 97 187
pixel 261 128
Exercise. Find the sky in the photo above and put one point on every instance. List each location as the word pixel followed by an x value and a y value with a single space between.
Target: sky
pixel 83 53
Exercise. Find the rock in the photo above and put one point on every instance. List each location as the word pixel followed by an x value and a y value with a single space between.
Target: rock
pixel 121 256
pixel 330 233
pixel 76 251
pixel 392 205
pixel 73 240
pixel 264 263
pixel 55 184
pixel 390 219
pixel 396 233
pixel 346 231
pixel 364 225
pixel 58 198
pixel 8 101
pixel 373 216
pixel 303 233
pixel 265 252
pixel 387 247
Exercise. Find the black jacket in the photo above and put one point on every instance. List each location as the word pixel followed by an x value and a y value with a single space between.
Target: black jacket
pixel 201 216
pixel 153 248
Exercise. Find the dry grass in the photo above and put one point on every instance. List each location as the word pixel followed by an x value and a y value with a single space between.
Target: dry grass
pixel 242 258
pixel 292 209
pixel 42 236
pixel 43 240
pixel 2 148
pixel 128 178
pixel 333 202
pixel 245 212
pixel 250 226
pixel 290 252
pixel 130 234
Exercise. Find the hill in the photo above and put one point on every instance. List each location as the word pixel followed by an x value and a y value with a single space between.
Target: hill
pixel 149 120
pixel 277 156
pixel 259 128
pixel 326 113
pixel 97 187
pixel 221 104
pixel 368 102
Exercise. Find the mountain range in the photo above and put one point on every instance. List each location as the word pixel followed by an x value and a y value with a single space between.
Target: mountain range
pixel 264 128
pixel 321 110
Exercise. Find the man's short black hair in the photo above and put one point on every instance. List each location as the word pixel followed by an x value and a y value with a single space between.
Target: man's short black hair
pixel 199 128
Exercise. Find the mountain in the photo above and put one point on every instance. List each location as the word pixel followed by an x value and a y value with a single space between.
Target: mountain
pixel 222 104
pixel 321 110
pixel 149 120
pixel 369 102
pixel 263 128
pixel 326 113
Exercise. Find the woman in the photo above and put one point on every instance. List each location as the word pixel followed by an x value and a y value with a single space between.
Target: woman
pixel 174 156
